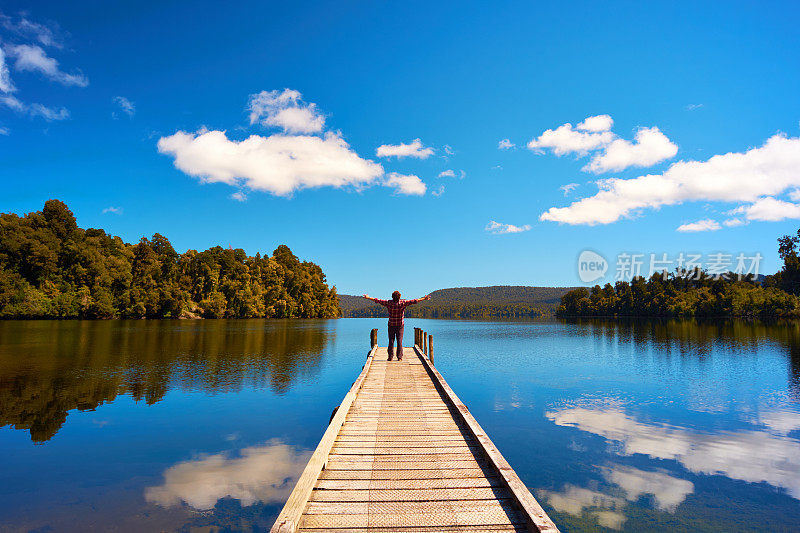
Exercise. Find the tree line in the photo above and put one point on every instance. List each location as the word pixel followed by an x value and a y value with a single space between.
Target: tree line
pixel 51 268
pixel 695 293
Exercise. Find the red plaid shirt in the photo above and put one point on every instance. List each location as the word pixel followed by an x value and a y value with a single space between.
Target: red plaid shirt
pixel 396 309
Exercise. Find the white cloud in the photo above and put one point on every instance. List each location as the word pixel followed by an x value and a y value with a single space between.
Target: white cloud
pixel 35 110
pixel 279 164
pixel 498 228
pixel 438 191
pixel 734 222
pixel 701 225
pixel 4 131
pixel 239 196
pixel 285 109
pixel 769 209
pixel 569 187
pixel 265 474
pixel 12 102
pixel 448 149
pixel 48 113
pixel 564 140
pixel 112 209
pixel 452 174
pixel 693 107
pixel 650 146
pixel 44 34
pixel 33 58
pixel 505 144
pixel 6 85
pixel 412 149
pixel 794 195
pixel 752 456
pixel 596 123
pixel 733 177
pixel 125 105
pixel 403 184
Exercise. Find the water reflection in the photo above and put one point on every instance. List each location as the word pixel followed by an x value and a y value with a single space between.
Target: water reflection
pixel 48 368
pixel 698 339
pixel 630 484
pixel 258 474
pixel 748 455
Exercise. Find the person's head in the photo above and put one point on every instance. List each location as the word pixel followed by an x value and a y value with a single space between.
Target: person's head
pixel 396 296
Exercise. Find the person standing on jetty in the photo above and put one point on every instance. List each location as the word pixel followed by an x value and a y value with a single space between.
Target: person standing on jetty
pixel 397 308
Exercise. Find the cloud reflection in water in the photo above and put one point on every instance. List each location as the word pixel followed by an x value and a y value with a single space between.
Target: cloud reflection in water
pixel 748 455
pixel 265 473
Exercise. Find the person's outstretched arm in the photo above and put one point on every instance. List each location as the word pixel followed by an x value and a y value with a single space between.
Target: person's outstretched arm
pixel 418 300
pixel 376 300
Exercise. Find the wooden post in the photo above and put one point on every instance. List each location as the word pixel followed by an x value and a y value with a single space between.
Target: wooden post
pixel 430 348
pixel 416 336
pixel 424 343
pixel 373 338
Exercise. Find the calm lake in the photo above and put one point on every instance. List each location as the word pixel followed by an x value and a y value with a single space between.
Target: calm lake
pixel 206 425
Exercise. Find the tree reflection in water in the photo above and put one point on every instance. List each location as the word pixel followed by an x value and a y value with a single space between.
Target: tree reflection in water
pixel 48 368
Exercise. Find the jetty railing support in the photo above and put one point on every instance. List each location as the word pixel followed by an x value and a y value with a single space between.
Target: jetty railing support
pixel 373 338
pixel 430 348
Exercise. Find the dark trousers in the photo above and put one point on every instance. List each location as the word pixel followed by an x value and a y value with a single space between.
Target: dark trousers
pixel 396 332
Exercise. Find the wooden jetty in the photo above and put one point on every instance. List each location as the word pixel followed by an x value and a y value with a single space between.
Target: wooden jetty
pixel 402 453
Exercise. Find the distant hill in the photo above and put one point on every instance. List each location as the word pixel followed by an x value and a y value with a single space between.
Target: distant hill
pixel 500 301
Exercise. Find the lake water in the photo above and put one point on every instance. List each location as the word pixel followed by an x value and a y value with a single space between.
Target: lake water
pixel 205 425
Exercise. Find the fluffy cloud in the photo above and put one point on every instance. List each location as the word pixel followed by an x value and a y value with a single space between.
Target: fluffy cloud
pixel 565 139
pixel 650 146
pixel 259 474
pixel 412 149
pixel 125 105
pixel 452 174
pixel 410 185
pixel 501 229
pixel 596 123
pixel 285 109
pixel 769 209
pixel 701 225
pixel 112 209
pixel 33 58
pixel 279 164
pixel 505 144
pixel 733 177
pixel 752 456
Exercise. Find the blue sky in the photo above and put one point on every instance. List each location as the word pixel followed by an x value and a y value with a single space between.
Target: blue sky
pixel 147 108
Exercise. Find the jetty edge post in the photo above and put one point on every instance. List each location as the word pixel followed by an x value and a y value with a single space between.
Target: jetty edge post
pixel 430 348
pixel 373 338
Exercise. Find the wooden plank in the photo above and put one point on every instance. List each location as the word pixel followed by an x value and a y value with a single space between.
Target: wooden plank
pixel 400 484
pixel 433 473
pixel 289 517
pixel 406 495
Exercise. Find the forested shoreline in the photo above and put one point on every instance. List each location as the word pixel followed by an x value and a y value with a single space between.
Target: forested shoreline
pixel 695 293
pixel 51 268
